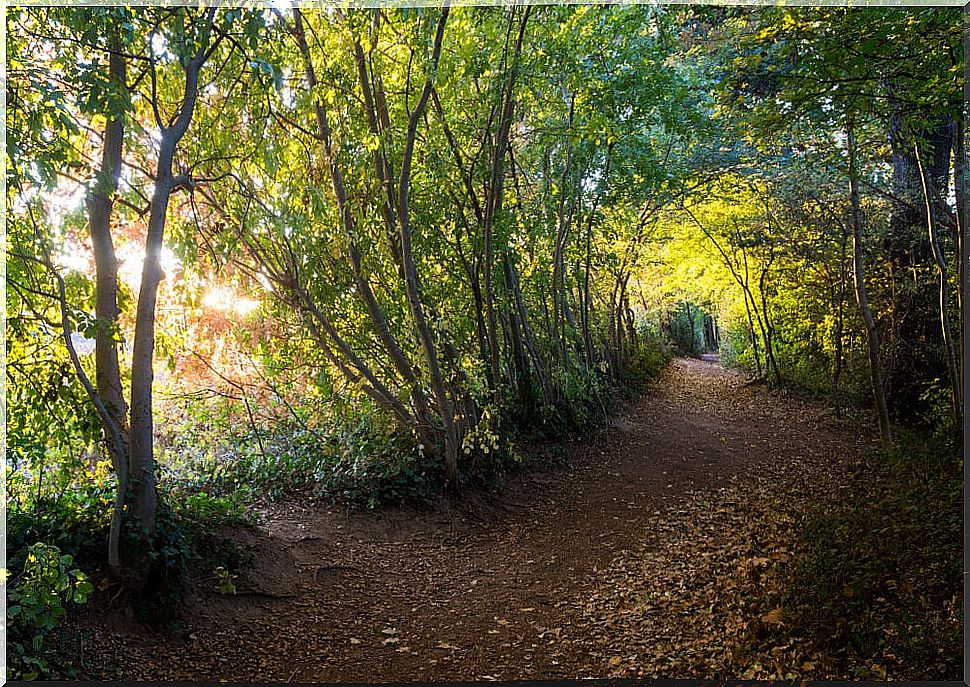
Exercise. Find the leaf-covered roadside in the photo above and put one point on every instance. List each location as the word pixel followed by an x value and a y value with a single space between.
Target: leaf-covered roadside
pixel 879 589
pixel 809 573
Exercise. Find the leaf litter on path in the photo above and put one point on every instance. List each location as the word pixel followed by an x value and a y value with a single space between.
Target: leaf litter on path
pixel 654 553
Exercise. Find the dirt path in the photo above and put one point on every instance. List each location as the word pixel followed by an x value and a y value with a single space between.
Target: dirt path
pixel 603 569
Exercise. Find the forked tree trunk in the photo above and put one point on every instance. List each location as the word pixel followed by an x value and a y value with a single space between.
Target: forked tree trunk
pixel 141 449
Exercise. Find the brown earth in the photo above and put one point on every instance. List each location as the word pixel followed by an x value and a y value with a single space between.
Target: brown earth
pixel 648 555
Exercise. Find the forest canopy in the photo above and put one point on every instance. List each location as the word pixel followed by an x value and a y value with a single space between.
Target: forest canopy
pixel 371 254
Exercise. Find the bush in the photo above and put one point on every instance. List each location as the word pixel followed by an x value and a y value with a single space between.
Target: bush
pixel 51 537
pixel 36 601
pixel 185 547
pixel 354 455
pixel 651 357
pixel 880 586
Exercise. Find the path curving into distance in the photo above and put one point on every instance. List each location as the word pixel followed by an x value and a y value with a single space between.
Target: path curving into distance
pixel 624 564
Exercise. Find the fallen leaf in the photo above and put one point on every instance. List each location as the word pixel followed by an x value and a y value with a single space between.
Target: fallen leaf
pixel 773 617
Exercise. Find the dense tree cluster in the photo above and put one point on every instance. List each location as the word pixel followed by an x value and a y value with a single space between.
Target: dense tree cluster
pixel 460 227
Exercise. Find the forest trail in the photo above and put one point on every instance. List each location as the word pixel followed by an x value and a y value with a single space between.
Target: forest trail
pixel 644 557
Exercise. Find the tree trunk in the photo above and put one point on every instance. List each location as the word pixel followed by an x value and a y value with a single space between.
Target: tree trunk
pixel 768 328
pixel 559 251
pixel 401 364
pixel 753 334
pixel 524 388
pixel 691 348
pixel 838 333
pixel 442 399
pixel 141 449
pixel 142 374
pixel 100 202
pixel 528 335
pixel 951 355
pixel 872 335
pixel 960 186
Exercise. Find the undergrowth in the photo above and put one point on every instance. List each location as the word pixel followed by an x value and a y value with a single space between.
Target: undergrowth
pixel 354 458
pixel 209 478
pixel 879 590
pixel 56 543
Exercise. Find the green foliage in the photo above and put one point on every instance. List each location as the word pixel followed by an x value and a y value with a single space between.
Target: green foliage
pixel 74 523
pixel 187 546
pixel 937 411
pixel 686 330
pixel 74 517
pixel 562 205
pixel 880 583
pixel 352 460
pixel 38 596
pixel 651 357
pixel 359 460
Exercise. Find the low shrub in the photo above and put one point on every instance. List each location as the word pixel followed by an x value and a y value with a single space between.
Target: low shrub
pixel 880 587
pixel 37 598
pixel 57 538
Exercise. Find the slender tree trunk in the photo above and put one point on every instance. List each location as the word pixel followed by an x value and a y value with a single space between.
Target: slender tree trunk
pixel 523 386
pixel 951 355
pixel 691 348
pixel 360 370
pixel 100 202
pixel 872 334
pixel 586 299
pixel 758 317
pixel 753 334
pixel 141 448
pixel 376 314
pixel 451 447
pixel 838 333
pixel 142 374
pixel 587 267
pixel 749 302
pixel 768 328
pixel 494 203
pixel 559 250
pixel 529 336
pixel 710 338
pixel 960 186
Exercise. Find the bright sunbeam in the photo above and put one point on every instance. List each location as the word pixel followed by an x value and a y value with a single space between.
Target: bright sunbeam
pixel 225 300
